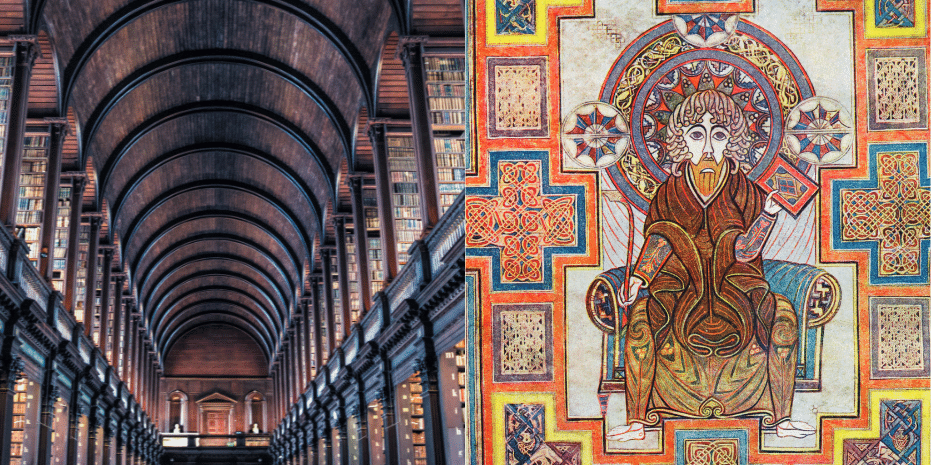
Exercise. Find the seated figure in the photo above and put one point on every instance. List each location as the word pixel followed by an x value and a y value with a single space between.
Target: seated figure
pixel 709 338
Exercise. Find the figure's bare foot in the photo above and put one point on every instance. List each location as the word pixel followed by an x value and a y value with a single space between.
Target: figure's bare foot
pixel 631 432
pixel 794 429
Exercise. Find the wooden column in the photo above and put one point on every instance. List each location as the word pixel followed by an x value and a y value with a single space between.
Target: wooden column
pixel 286 362
pixel 296 365
pixel 362 243
pixel 105 288
pixel 74 241
pixel 49 396
pixel 58 129
pixel 377 135
pixel 317 312
pixel 91 274
pixel 342 427
pixel 107 441
pixel 410 49
pixel 92 420
pixel 327 257
pixel 362 418
pixel 11 367
pixel 25 52
pixel 342 262
pixel 120 443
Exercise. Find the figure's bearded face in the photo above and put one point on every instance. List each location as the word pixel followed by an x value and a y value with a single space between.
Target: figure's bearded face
pixel 706 142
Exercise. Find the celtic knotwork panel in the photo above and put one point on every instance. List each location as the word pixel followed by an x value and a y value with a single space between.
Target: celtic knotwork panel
pixel 522 341
pixel 525 438
pixel 899 337
pixel 893 215
pixel 897 88
pixel 899 441
pixel 520 221
pixel 711 452
pixel 517 97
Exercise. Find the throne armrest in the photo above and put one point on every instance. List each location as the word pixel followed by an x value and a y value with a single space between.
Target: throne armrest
pixel 814 293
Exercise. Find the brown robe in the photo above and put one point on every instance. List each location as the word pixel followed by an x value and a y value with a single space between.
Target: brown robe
pixel 710 339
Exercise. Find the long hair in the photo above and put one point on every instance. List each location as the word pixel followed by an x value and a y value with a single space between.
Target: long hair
pixel 724 111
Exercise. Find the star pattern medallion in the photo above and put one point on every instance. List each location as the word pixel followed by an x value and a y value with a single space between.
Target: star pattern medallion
pixel 594 135
pixel 819 131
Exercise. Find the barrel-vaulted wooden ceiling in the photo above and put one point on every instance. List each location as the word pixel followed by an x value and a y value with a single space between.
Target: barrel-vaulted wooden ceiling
pixel 216 132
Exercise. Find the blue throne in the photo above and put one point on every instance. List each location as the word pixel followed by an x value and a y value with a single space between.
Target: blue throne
pixel 814 293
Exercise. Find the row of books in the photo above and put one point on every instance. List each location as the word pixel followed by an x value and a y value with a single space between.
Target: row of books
pixel 29 217
pixel 402 164
pixel 447 175
pixel 447 103
pixel 404 176
pixel 446 117
pixel 34 166
pixel 434 76
pixel 31 191
pixel 446 90
pixel 404 188
pixel 444 63
pixel 448 144
pixel 32 180
pixel 450 160
pixel 410 201
pixel 451 187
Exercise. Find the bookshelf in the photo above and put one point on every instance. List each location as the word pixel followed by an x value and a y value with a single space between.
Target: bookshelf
pixel 32 181
pixel 446 97
pixel 405 194
pixel 373 235
pixel 411 435
pixel 355 301
pixel 60 241
pixel 6 90
pixel 95 316
pixel 80 286
pixel 337 450
pixel 337 314
pixel 17 442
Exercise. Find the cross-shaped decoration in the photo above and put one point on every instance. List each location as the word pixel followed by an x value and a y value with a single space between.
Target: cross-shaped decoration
pixel 890 212
pixel 521 221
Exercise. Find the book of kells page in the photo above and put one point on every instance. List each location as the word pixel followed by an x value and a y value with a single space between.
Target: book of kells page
pixel 698 232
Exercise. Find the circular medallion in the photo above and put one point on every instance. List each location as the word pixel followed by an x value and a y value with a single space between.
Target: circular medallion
pixel 594 135
pixel 819 130
pixel 705 30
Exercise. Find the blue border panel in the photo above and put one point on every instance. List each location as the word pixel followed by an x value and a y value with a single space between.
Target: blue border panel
pixel 873 184
pixel 494 252
pixel 739 434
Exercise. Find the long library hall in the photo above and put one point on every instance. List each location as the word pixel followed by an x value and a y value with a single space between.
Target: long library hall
pixel 232 232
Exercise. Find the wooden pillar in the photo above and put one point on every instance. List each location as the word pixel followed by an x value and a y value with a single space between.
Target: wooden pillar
pixel 410 50
pixel 318 313
pixel 327 256
pixel 362 243
pixel 74 241
pixel 105 288
pixel 91 274
pixel 10 371
pixel 286 359
pixel 342 427
pixel 296 361
pixel 342 262
pixel 389 422
pixel 377 135
pixel 362 418
pixel 49 396
pixel 58 129
pixel 433 418
pixel 25 52
pixel 120 443
pixel 92 435
pixel 107 441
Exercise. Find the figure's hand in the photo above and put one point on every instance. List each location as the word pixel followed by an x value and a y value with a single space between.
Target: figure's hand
pixel 770 205
pixel 635 285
